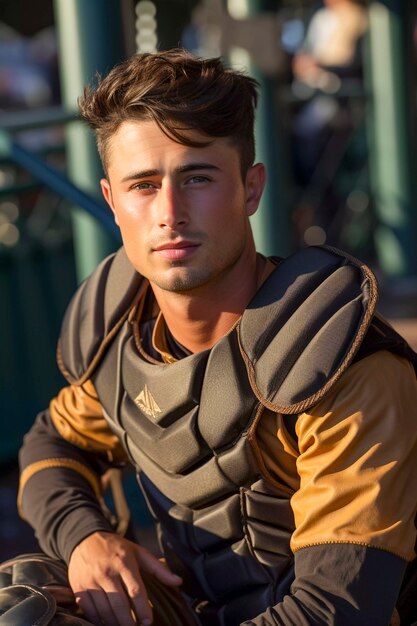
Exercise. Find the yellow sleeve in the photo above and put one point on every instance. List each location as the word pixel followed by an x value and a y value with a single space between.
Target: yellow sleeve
pixel 358 460
pixel 77 415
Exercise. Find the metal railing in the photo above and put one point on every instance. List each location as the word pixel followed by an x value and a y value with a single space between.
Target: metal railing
pixel 13 150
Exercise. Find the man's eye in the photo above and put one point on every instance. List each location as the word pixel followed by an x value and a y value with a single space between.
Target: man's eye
pixel 197 179
pixel 143 186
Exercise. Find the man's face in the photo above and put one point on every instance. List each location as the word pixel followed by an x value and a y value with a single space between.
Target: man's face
pixel 182 211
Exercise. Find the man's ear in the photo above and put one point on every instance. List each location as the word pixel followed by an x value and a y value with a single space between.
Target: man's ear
pixel 106 191
pixel 255 184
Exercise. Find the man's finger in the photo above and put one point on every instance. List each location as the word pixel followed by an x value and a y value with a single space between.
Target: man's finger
pixel 104 609
pixel 149 563
pixel 85 603
pixel 122 605
pixel 135 590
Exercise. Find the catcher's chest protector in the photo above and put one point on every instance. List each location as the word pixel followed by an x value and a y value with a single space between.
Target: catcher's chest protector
pixel 189 426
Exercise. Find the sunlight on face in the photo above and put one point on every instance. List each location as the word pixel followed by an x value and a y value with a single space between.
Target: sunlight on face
pixel 183 211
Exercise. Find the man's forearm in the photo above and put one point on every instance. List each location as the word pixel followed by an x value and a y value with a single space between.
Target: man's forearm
pixel 59 490
pixel 339 585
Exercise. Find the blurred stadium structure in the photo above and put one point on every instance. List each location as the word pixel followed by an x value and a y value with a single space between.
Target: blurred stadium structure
pixel 338 135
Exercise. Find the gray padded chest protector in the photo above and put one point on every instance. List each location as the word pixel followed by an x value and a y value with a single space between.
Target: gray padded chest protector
pixel 224 525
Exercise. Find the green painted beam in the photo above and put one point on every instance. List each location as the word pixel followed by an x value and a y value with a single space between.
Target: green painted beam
pixel 271 224
pixel 392 153
pixel 90 41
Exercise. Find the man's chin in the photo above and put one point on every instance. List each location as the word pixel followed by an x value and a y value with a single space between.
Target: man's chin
pixel 180 282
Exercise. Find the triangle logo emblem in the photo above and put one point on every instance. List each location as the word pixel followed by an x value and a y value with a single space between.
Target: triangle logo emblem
pixel 147 403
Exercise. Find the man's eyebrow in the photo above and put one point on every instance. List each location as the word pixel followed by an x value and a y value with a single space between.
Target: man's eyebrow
pixel 189 167
pixel 141 174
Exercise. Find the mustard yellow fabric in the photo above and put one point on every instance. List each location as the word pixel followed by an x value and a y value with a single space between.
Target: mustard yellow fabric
pixel 278 450
pixel 77 415
pixel 159 341
pixel 358 460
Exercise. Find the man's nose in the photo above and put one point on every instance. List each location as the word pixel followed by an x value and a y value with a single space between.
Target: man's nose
pixel 172 210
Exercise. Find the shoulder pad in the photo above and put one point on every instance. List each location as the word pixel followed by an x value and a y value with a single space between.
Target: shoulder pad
pixel 305 325
pixel 97 310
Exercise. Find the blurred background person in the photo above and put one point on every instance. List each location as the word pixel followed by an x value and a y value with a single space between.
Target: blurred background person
pixel 332 47
pixel 327 69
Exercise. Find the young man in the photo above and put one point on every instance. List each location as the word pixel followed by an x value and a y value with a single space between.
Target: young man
pixel 269 413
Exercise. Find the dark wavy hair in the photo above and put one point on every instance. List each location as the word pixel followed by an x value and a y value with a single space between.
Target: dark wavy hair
pixel 178 91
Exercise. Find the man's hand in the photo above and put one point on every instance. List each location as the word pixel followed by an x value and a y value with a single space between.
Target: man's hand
pixel 104 573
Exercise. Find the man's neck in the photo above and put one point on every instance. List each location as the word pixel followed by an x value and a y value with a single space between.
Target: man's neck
pixel 199 319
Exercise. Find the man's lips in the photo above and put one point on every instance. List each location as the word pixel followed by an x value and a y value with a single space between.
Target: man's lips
pixel 176 250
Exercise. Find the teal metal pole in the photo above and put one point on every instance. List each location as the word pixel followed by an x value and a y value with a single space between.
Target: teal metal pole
pixel 90 41
pixel 392 155
pixel 271 224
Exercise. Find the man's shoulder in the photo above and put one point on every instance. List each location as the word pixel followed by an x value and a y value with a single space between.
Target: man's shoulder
pixel 99 306
pixel 305 325
pixel 311 320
